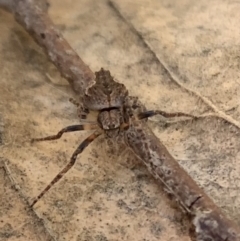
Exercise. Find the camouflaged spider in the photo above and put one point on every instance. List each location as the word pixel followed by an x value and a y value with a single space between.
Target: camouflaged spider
pixel 111 101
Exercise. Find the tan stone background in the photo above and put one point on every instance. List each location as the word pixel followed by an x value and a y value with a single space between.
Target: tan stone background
pixel 109 195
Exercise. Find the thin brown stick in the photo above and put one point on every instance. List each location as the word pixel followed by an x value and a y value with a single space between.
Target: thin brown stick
pixel 208 222
pixel 33 16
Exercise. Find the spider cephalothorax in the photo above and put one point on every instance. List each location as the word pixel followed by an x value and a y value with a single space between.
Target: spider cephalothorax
pixel 105 93
pixel 108 97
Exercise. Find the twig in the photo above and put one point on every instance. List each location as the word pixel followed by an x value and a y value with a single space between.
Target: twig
pixel 33 16
pixel 208 222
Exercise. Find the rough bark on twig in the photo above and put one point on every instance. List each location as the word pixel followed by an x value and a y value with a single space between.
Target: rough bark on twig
pixel 33 16
pixel 208 222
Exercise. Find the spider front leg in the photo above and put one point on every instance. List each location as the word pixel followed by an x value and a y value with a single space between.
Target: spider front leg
pixel 151 113
pixel 72 161
pixel 67 129
pixel 135 104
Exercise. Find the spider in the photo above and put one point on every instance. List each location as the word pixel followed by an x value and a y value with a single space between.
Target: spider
pixel 112 103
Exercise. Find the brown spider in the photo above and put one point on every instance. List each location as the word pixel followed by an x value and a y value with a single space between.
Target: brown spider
pixel 114 109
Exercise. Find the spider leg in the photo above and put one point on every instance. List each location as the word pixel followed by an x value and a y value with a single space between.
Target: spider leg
pixel 72 161
pixel 151 113
pixel 67 129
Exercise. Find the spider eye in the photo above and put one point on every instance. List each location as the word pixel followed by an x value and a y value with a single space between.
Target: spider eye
pixel 108 125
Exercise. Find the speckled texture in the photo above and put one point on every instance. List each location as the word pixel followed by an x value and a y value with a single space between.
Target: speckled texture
pixel 109 195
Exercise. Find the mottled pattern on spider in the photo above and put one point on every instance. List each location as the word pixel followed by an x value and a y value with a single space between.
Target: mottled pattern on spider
pixel 110 99
pixel 115 110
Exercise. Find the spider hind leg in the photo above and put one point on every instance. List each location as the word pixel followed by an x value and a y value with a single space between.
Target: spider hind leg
pixel 72 161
